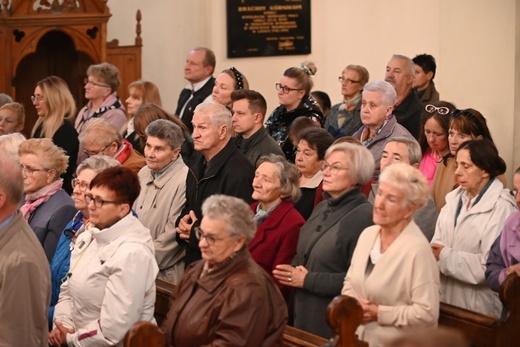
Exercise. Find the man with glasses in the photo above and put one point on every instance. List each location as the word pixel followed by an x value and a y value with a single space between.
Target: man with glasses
pixel 344 118
pixel 100 137
pixel 400 72
pixel 24 269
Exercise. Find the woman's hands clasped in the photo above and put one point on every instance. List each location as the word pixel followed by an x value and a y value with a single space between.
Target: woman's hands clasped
pixel 289 275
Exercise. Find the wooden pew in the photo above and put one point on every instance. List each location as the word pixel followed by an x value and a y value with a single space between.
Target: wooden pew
pixel 486 331
pixel 146 334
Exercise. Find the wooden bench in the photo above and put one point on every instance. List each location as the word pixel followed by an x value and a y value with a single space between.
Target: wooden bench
pixel 486 331
pixel 147 334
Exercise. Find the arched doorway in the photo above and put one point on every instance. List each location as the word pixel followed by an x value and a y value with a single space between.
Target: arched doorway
pixel 55 55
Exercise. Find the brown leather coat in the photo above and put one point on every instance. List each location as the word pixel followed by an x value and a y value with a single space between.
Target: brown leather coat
pixel 237 304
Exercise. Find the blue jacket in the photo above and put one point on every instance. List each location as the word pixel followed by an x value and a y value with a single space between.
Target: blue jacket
pixel 60 263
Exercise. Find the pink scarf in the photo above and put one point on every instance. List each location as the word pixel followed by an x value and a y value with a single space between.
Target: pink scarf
pixel 32 201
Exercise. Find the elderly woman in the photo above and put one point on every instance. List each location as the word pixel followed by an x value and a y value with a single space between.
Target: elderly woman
pixel 163 195
pixel 228 81
pixel 392 273
pixel 111 282
pixel 141 92
pixel 10 143
pixel 60 263
pixel 329 237
pixel 226 298
pixel 275 188
pixel 310 152
pixel 435 122
pixel 12 118
pixel 101 86
pixel 295 101
pixel 344 118
pixel 379 124
pixel 55 107
pixel 468 225
pixel 46 206
pixel 148 113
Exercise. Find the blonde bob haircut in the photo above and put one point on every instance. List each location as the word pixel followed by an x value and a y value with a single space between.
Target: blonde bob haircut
pixel 361 161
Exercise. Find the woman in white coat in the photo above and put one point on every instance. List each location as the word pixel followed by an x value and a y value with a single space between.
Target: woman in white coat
pixel 392 273
pixel 468 224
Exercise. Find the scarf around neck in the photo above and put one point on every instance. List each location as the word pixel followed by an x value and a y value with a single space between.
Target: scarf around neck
pixel 34 200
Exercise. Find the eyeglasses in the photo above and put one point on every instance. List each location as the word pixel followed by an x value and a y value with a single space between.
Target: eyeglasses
pixel 92 83
pixel 98 202
pixel 210 238
pixel 90 153
pixel 334 168
pixel 285 89
pixel 36 98
pixel 341 79
pixel 441 110
pixel 82 185
pixel 29 171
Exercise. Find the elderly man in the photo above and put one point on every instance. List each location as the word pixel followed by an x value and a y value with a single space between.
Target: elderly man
pixel 408 151
pixel 198 70
pixel 379 124
pixel 163 195
pixel 219 169
pixel 100 137
pixel 226 299
pixel 400 72
pixel 25 280
pixel 252 139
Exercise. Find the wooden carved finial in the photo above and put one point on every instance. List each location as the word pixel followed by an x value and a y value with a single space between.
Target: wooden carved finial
pixel 138 39
pixel 5 10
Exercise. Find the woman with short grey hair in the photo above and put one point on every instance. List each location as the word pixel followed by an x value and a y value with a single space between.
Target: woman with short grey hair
pixel 166 130
pixel 225 298
pixel 275 189
pixel 393 274
pixel 327 240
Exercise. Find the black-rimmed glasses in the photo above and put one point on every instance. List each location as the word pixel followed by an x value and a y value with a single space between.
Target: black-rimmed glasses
pixel 98 202
pixel 210 238
pixel 456 113
pixel 285 89
pixel 440 110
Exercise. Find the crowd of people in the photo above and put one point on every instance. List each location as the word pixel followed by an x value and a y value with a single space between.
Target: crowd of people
pixel 392 196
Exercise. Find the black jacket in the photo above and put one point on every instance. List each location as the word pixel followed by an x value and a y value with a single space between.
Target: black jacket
pixel 408 114
pixel 229 173
pixel 198 98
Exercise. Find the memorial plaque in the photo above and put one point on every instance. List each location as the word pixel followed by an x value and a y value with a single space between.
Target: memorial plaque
pixel 258 28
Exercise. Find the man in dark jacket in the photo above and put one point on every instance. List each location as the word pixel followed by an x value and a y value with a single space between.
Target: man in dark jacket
pixel 252 139
pixel 218 169
pixel 400 72
pixel 198 70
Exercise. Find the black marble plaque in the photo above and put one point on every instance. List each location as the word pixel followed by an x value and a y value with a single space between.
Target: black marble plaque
pixel 258 28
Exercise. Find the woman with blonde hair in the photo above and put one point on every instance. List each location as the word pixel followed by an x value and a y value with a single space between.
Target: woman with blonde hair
pixel 141 92
pixel 295 101
pixel 45 206
pixel 56 108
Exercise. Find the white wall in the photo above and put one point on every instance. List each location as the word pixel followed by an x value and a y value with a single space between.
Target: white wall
pixel 474 42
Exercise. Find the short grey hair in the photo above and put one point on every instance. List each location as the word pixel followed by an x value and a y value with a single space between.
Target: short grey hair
pixel 166 130
pixel 11 179
pixel 97 163
pixel 409 62
pixel 218 114
pixel 384 88
pixel 414 149
pixel 361 161
pixel 235 212
pixel 100 132
pixel 287 173
pixel 409 180
pixel 9 143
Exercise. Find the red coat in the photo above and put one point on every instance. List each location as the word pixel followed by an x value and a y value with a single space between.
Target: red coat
pixel 276 239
